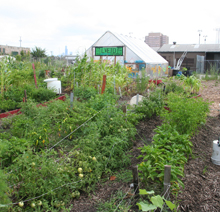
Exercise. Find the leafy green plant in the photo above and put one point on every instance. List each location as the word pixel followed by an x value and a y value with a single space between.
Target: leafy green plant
pixel 156 201
pixel 186 113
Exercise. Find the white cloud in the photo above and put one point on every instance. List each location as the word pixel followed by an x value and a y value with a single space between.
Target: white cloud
pixel 77 24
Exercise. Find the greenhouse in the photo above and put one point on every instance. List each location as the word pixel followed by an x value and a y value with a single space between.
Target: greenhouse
pixel 131 52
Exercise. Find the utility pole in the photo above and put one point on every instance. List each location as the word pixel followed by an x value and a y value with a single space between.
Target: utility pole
pixel 20 41
pixel 199 34
pixel 205 36
pixel 217 33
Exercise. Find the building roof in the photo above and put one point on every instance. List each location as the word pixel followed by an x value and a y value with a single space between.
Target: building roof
pixel 137 46
pixel 190 48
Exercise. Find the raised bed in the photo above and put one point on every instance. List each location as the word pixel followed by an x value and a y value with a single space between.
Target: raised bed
pixel 17 111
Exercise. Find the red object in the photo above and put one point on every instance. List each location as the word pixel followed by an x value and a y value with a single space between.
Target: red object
pixel 195 97
pixel 156 81
pixel 17 111
pixel 103 84
pixel 35 79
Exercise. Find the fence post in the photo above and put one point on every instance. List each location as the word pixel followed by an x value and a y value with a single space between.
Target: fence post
pixel 166 182
pixel 103 83
pixel 135 180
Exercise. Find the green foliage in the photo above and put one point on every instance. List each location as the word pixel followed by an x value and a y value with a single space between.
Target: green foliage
pixel 151 105
pixel 186 113
pixel 85 92
pixel 37 52
pixel 156 202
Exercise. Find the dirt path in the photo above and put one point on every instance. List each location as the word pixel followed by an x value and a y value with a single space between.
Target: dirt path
pixel 202 187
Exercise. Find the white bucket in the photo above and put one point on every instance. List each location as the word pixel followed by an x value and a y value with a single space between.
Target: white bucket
pixel 54 84
pixel 135 99
pixel 216 153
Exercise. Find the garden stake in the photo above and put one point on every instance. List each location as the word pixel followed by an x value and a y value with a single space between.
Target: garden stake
pixel 103 83
pixel 114 84
pixel 124 108
pixel 71 100
pixel 74 80
pixel 137 99
pixel 98 89
pixel 120 92
pixel 35 79
pixel 77 84
pixel 135 180
pixel 166 183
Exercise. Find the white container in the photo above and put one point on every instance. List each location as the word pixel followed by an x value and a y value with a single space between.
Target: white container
pixel 135 99
pixel 54 84
pixel 216 153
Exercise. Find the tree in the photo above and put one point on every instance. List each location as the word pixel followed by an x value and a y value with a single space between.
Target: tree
pixel 37 52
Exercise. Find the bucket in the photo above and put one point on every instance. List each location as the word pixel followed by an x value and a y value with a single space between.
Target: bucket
pixel 54 84
pixel 216 153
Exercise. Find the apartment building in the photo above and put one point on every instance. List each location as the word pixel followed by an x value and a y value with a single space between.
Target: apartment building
pixel 156 39
pixel 12 50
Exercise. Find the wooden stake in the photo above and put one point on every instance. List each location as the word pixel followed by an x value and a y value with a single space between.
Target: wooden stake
pixel 124 108
pixel 135 180
pixel 35 79
pixel 25 96
pixel 103 84
pixel 166 183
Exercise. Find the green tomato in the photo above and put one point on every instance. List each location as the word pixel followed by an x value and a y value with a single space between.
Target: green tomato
pixel 32 204
pixel 39 203
pixel 81 175
pixel 21 204
pixel 80 170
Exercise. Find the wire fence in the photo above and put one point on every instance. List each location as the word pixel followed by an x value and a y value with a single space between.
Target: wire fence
pixel 6 205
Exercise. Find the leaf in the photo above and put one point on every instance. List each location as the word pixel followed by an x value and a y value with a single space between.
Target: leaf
pixel 157 201
pixel 112 178
pixel 170 205
pixel 145 206
pixel 143 191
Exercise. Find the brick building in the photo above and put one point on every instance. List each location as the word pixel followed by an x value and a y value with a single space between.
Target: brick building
pixel 12 50
pixel 156 39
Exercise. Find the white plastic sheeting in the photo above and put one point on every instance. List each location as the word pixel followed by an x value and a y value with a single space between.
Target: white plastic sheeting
pixel 134 50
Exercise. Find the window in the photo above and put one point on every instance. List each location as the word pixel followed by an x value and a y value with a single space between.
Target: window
pixel 3 50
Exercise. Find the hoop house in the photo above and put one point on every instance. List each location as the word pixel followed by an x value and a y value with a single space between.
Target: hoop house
pixel 128 51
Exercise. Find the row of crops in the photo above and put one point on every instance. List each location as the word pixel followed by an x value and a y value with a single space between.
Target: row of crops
pixel 51 155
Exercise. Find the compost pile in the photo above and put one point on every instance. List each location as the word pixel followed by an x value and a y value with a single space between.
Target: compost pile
pixel 202 187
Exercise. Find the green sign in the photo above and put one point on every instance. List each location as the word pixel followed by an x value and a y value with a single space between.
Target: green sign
pixel 109 51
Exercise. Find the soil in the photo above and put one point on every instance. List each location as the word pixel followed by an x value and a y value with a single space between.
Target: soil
pixel 202 187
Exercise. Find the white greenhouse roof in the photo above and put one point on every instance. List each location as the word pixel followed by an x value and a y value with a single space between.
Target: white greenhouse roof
pixel 138 47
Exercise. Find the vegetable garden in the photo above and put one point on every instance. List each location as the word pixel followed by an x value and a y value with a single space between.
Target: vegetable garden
pixel 52 154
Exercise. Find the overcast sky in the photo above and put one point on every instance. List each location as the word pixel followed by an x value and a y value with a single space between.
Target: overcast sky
pixel 77 24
